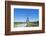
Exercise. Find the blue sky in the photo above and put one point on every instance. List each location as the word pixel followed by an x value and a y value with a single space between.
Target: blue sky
pixel 21 14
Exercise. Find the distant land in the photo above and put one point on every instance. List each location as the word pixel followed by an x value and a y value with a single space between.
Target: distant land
pixel 25 24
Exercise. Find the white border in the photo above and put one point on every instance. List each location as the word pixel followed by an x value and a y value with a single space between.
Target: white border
pixel 26 28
